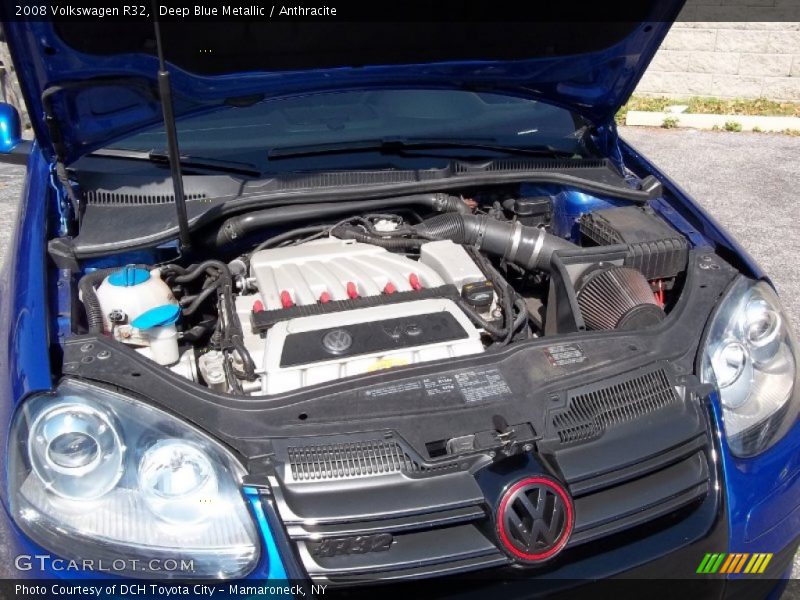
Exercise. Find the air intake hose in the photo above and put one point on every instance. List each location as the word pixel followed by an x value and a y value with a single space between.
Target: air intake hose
pixel 527 247
pixel 236 227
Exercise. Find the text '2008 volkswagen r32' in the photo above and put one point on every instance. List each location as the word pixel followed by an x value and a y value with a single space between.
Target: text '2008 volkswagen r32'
pixel 357 309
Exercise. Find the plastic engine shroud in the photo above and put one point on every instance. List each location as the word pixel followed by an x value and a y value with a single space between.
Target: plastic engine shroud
pixel 326 347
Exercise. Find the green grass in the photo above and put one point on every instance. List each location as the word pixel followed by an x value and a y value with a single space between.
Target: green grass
pixel 713 106
pixel 669 123
pixel 733 126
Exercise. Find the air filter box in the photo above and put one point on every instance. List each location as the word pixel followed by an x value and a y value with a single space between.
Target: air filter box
pixel 654 248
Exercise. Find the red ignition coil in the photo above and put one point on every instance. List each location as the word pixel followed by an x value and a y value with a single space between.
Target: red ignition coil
pixel 286 299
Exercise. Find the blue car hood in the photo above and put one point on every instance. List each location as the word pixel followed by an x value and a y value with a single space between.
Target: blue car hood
pixel 89 84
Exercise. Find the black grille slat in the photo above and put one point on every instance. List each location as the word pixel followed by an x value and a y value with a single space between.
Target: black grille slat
pixel 355 459
pixel 589 414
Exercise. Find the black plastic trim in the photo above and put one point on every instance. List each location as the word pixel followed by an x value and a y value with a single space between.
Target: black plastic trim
pixel 148 224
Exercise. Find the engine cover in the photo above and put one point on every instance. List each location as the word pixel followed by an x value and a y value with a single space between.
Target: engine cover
pixel 307 350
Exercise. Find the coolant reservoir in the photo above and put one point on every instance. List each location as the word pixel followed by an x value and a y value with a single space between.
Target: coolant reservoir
pixel 130 292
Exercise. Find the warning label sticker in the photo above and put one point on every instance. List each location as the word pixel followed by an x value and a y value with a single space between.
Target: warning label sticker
pixel 564 354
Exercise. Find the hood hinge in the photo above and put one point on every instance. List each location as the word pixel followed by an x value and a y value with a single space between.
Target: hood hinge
pixel 606 138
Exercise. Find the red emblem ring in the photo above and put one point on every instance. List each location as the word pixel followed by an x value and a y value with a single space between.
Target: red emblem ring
pixel 535 519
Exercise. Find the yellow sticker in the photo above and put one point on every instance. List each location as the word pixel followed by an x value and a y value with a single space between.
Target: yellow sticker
pixel 387 363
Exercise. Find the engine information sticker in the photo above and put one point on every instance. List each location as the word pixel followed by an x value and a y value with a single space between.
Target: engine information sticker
pixel 403 387
pixel 439 385
pixel 564 354
pixel 466 386
pixel 477 386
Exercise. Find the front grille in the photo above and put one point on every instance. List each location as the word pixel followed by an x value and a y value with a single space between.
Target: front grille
pixel 590 413
pixel 345 460
pixel 351 491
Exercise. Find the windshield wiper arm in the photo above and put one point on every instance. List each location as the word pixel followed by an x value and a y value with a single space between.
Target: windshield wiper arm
pixel 160 157
pixel 399 146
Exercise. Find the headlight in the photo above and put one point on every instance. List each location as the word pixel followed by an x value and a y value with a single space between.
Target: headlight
pixel 97 476
pixel 750 355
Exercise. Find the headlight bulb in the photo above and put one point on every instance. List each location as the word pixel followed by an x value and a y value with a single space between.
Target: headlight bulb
pixel 762 330
pixel 178 481
pixel 73 450
pixel 733 371
pixel 76 451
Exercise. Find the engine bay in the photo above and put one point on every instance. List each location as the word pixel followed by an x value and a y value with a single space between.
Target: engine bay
pixel 284 298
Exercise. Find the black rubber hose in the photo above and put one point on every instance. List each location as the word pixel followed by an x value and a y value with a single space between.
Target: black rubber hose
pixel 235 227
pixel 289 235
pixel 204 267
pixel 390 243
pixel 528 247
pixel 232 336
pixel 493 330
pixel 522 315
pixel 194 302
pixel 87 284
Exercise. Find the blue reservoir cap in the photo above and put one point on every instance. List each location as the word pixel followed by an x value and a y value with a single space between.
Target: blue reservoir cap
pixel 128 276
pixel 159 316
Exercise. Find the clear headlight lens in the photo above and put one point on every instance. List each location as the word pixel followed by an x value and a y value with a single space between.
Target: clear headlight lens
pixel 76 450
pixel 95 475
pixel 750 355
pixel 176 478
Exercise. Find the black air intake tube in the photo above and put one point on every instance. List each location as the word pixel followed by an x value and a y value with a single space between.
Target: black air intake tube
pixel 528 247
pixel 238 226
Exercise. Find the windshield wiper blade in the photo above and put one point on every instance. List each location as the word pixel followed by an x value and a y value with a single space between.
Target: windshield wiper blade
pixel 160 157
pixel 399 146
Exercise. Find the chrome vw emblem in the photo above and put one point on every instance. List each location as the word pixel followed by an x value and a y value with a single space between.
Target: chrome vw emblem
pixel 337 341
pixel 535 519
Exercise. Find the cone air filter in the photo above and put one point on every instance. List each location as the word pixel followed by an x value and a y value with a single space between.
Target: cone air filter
pixel 616 297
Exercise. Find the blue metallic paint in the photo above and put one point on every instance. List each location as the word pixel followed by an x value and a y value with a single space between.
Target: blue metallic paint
pixel 271 565
pixel 10 128
pixel 24 345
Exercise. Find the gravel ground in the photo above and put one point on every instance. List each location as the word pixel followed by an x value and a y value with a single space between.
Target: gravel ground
pixel 747 181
